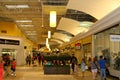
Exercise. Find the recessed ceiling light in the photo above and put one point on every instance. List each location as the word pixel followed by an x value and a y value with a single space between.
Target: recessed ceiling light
pixel 16 6
pixel 23 20
pixel 26 25
pixel 30 32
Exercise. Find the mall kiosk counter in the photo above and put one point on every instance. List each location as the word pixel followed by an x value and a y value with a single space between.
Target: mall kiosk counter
pixel 57 64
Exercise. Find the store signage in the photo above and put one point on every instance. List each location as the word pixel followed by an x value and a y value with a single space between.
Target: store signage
pixel 115 38
pixel 2 41
pixel 9 42
pixel 78 45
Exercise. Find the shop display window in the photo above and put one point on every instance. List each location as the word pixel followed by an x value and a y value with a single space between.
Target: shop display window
pixel 109 49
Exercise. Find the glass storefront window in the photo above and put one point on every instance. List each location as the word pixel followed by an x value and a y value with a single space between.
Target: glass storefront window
pixel 109 49
pixel 10 52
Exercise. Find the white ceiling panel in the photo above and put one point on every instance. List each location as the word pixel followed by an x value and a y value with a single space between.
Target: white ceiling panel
pixel 72 26
pixel 38 12
pixel 60 36
pixel 96 8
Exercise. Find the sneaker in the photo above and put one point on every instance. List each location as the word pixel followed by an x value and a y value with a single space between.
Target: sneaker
pixel 12 74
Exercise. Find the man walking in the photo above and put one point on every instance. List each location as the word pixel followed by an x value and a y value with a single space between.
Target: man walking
pixel 73 62
pixel 102 65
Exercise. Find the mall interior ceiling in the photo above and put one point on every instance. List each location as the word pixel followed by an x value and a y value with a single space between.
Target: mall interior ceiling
pixel 36 24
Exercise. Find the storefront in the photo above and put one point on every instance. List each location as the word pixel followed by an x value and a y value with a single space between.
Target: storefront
pixel 87 48
pixel 83 49
pixel 107 43
pixel 12 46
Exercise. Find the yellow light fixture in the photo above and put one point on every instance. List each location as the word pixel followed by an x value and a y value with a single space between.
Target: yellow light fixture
pixel 52 18
pixel 49 34
pixel 46 41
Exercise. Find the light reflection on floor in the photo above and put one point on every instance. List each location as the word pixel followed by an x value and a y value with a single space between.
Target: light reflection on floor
pixel 36 73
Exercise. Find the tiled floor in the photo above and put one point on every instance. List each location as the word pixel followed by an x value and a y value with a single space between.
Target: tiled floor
pixel 36 73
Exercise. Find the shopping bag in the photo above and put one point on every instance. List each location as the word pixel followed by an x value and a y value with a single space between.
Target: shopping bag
pixel 86 67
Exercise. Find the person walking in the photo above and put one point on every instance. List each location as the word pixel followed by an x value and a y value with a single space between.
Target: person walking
pixel 29 60
pixel 1 68
pixel 83 64
pixel 94 68
pixel 13 67
pixel 39 59
pixel 73 62
pixel 102 66
pixel 42 58
pixel 76 69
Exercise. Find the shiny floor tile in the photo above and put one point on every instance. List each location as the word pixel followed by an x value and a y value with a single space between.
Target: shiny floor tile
pixel 37 73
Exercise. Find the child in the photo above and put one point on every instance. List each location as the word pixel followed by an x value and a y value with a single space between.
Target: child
pixel 13 67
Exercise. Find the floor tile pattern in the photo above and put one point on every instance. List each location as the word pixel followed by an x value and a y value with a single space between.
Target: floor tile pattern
pixel 37 73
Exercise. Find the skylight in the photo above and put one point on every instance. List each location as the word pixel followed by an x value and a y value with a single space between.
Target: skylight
pixel 16 6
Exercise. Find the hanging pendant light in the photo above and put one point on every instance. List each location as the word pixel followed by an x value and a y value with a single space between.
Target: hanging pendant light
pixel 52 18
pixel 49 34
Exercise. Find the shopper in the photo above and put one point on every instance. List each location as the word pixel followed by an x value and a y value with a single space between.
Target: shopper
pixel 29 60
pixel 73 62
pixel 26 59
pixel 1 68
pixel 42 58
pixel 13 67
pixel 94 68
pixel 102 65
pixel 6 60
pixel 39 59
pixel 83 64
pixel 76 69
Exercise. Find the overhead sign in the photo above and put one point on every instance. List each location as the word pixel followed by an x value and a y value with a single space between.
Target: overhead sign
pixel 115 38
pixel 9 42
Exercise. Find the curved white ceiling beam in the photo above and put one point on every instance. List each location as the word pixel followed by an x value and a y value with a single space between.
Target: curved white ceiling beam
pixel 58 41
pixel 111 19
pixel 61 36
pixel 96 8
pixel 72 26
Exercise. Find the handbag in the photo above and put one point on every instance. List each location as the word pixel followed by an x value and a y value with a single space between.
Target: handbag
pixel 96 66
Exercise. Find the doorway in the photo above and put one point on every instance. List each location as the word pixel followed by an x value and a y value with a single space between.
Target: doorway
pixel 11 52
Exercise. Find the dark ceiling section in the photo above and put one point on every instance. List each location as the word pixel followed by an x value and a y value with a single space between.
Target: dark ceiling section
pixel 79 16
pixel 64 32
pixel 55 2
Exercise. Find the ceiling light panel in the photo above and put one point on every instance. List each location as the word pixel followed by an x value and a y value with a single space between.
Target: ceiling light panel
pixel 31 32
pixel 16 6
pixel 26 25
pixel 23 20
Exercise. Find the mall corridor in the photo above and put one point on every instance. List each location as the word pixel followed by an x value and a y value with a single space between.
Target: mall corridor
pixel 37 73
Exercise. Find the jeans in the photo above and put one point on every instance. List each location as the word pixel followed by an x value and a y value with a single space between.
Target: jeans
pixel 102 74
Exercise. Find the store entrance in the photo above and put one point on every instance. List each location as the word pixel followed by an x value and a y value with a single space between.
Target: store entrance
pixel 87 50
pixel 11 52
